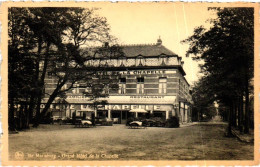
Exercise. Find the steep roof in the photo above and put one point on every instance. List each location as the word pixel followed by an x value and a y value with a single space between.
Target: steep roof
pixel 145 50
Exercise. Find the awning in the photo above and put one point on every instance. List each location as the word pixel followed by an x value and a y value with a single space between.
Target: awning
pixel 138 110
pixel 78 101
pixel 139 99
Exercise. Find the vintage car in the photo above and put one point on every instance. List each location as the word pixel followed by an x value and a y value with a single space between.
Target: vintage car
pixel 136 124
pixel 83 123
pixel 104 121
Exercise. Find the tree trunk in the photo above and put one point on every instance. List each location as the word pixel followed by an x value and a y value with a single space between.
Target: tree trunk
pixel 229 133
pixel 11 120
pixel 232 114
pixel 235 113
pixel 41 82
pixel 25 116
pixel 37 92
pixel 238 112
pixel 23 112
pixel 241 101
pixel 48 104
pixel 20 117
pixel 32 105
pixel 246 130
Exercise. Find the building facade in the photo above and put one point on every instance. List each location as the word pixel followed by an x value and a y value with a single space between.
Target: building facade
pixel 150 77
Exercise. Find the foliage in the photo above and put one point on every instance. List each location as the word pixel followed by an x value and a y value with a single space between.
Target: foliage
pixel 203 98
pixel 227 49
pixel 52 41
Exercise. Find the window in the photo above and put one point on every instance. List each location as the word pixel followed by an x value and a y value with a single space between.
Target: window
pixel 64 87
pixel 140 86
pixel 76 89
pixel 72 106
pixel 163 60
pixel 50 74
pixel 121 62
pixel 88 90
pixel 122 85
pixel 140 61
pixel 162 85
pixel 106 89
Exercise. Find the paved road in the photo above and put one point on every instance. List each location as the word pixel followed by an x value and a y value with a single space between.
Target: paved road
pixel 204 141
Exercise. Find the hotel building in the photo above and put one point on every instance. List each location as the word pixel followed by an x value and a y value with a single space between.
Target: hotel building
pixel 150 77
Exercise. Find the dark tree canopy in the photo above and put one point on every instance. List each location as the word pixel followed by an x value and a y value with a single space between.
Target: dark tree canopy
pixel 52 40
pixel 227 50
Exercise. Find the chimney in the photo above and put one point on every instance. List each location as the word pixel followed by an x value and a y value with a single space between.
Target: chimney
pixel 106 44
pixel 159 41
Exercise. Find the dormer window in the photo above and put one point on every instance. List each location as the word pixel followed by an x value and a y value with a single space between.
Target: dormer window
pixel 163 60
pixel 140 61
pixel 121 62
pixel 103 62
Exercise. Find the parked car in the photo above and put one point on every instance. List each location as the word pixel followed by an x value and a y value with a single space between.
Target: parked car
pixel 158 121
pixel 67 120
pixel 57 118
pixel 150 122
pixel 76 120
pixel 136 124
pixel 104 121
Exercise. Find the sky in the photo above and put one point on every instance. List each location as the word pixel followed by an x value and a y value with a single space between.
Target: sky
pixel 143 23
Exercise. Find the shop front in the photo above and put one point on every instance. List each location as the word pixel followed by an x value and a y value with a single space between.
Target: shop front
pixel 120 113
pixel 120 116
pixel 120 108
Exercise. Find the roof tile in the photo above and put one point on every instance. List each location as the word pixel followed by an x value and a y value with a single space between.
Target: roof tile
pixel 145 50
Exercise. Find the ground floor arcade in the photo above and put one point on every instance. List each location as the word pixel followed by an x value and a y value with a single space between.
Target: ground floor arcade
pixel 119 113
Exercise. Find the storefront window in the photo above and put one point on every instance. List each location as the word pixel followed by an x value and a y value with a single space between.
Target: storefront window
pixel 162 85
pixel 140 85
pixel 122 85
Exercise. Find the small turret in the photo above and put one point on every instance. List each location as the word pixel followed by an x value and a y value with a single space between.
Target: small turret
pixel 106 44
pixel 159 41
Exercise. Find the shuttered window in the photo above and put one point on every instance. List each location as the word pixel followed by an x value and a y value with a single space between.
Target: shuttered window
pixel 162 85
pixel 140 86
pixel 122 86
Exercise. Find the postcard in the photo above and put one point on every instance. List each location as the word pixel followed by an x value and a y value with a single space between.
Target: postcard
pixel 123 84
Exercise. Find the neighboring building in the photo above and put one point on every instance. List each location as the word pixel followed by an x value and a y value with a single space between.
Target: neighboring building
pixel 150 77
